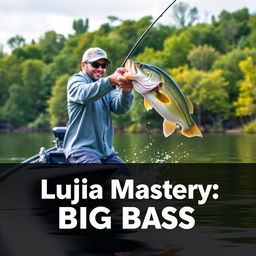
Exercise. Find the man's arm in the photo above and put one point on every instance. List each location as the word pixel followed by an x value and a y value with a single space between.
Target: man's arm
pixel 121 100
pixel 83 91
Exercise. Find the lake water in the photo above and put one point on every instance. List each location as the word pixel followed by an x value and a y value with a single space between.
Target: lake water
pixel 147 148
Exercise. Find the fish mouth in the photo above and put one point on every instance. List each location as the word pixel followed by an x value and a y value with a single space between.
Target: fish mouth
pixel 142 81
pixel 128 64
pixel 132 69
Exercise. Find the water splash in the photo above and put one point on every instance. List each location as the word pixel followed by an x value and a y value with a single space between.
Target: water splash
pixel 155 153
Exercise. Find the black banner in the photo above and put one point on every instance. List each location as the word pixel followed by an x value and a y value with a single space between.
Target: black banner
pixel 136 209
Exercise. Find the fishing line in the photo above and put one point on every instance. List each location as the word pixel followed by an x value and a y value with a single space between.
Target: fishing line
pixel 144 34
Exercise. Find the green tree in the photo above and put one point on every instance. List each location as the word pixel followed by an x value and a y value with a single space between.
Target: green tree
pixel 71 44
pixel 207 92
pixel 246 102
pixel 32 51
pixel 235 24
pixel 51 44
pixel 16 110
pixel 85 42
pixel 252 26
pixel 1 51
pixel 202 57
pixel 48 78
pixel 104 29
pixel 209 34
pixel 12 70
pixel 183 15
pixel 229 63
pixel 19 53
pixel 68 61
pixel 231 30
pixel 57 104
pixel 212 94
pixel 114 46
pixel 176 49
pixel 228 25
pixel 65 64
pixel 16 41
pixel 81 26
pixel 36 67
pixel 62 64
pixel 112 20
pixel 129 32
pixel 4 85
pixel 151 56
pixel 28 52
pixel 31 77
pixel 157 36
pixel 155 39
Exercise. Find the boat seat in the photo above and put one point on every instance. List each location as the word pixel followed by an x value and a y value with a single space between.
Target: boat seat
pixel 56 157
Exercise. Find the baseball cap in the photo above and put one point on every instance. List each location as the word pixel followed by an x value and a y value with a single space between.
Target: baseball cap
pixel 93 54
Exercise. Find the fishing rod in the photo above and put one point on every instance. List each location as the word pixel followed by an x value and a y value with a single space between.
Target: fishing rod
pixel 144 34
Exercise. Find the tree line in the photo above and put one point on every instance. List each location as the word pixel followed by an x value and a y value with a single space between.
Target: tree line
pixel 212 62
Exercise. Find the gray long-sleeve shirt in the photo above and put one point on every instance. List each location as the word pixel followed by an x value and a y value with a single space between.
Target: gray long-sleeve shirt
pixel 89 109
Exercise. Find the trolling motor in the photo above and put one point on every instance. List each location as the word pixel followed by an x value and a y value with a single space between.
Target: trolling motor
pixel 56 154
pixel 59 133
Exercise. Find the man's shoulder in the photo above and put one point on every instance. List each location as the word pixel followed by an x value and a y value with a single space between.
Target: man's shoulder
pixel 78 77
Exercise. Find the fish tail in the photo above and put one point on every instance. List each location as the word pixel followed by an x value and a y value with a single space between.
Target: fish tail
pixel 192 131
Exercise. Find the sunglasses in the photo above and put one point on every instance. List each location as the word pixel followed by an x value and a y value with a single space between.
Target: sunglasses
pixel 96 64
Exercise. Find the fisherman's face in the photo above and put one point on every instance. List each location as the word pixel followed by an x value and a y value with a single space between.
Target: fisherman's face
pixel 94 70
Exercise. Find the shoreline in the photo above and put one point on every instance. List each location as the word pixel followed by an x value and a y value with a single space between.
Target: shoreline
pixel 117 130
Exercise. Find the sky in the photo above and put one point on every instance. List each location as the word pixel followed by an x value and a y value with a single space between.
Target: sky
pixel 32 18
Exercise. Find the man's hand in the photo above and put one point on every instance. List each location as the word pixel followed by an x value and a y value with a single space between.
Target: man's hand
pixel 119 80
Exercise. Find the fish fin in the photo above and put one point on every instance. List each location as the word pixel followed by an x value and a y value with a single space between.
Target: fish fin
pixel 192 131
pixel 162 97
pixel 190 106
pixel 147 104
pixel 168 127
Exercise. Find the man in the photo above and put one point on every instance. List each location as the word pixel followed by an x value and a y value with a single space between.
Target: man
pixel 91 99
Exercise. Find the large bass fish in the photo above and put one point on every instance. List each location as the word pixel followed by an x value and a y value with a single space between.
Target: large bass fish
pixel 163 94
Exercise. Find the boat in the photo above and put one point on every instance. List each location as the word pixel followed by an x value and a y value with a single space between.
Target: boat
pixel 54 154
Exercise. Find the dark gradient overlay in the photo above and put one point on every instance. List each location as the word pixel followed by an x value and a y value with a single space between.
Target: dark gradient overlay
pixel 29 226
